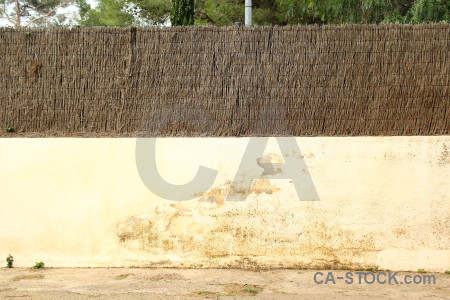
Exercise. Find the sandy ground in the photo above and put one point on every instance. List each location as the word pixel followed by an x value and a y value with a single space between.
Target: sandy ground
pixel 122 283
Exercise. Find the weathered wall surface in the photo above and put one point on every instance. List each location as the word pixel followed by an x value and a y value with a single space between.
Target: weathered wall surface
pixel 378 201
pixel 384 202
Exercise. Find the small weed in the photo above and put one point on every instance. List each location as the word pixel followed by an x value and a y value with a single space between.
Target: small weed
pixel 122 276
pixel 447 272
pixel 9 261
pixel 39 265
pixel 251 289
pixel 28 33
pixel 235 289
pixel 206 293
pixel 421 271
pixel 9 129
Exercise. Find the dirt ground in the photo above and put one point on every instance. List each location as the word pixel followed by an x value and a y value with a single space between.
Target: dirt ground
pixel 135 283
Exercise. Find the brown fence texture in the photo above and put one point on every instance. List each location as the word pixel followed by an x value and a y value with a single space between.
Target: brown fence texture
pixel 211 81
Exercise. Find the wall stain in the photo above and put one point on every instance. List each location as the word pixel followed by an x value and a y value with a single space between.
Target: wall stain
pixel 444 157
pixel 294 155
pixel 133 228
pixel 218 195
pixel 249 235
pixel 214 195
pixel 399 231
pixel 263 186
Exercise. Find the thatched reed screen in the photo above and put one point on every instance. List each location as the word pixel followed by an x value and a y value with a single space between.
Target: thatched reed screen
pixel 280 81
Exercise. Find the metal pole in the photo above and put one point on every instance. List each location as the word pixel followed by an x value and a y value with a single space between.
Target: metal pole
pixel 248 12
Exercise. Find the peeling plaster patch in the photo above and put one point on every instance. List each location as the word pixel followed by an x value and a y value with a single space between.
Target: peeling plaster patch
pixel 263 186
pixel 294 155
pixel 299 156
pixel 133 228
pixel 266 162
pixel 334 247
pixel 214 195
pixel 217 195
pixel 187 227
pixel 246 235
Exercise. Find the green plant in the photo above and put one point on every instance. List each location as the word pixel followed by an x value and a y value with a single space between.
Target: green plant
pixel 28 33
pixel 421 271
pixel 182 12
pixel 251 289
pixel 204 293
pixel 39 265
pixel 9 261
pixel 9 129
pixel 447 272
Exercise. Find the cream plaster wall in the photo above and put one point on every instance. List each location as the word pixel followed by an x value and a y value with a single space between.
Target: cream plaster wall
pixel 384 202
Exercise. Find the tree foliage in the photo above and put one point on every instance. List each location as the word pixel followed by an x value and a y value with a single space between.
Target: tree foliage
pixel 386 11
pixel 125 12
pixel 268 12
pixel 429 11
pixel 107 13
pixel 33 12
pixel 182 13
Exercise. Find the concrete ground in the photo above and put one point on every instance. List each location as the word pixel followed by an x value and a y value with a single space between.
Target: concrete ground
pixel 127 283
